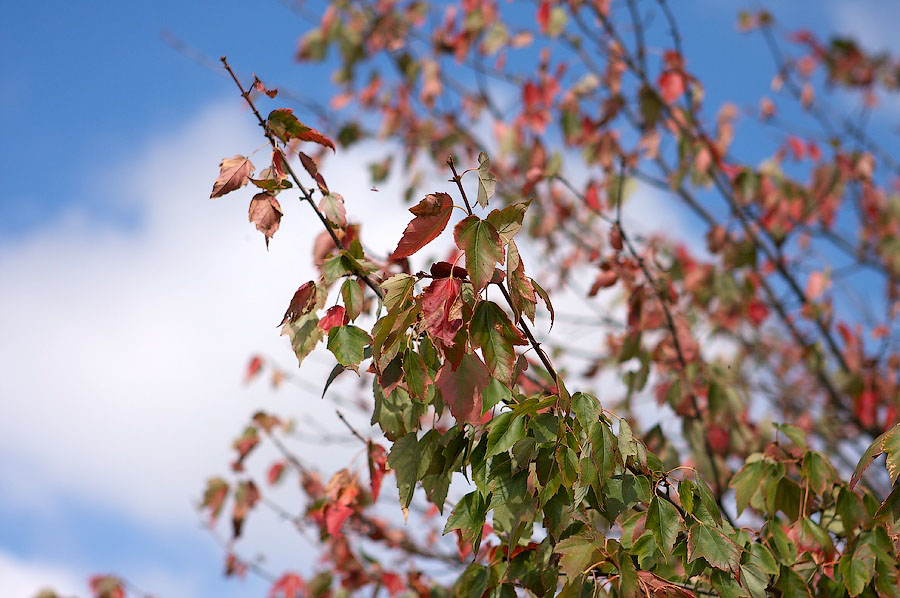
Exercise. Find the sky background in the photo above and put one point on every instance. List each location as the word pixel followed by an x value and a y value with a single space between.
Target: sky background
pixel 129 302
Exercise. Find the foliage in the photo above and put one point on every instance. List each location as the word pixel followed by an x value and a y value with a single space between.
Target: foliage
pixel 566 493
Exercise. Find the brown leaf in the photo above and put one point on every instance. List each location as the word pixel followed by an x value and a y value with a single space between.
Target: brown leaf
pixel 661 588
pixel 301 303
pixel 265 213
pixel 234 173
pixel 431 217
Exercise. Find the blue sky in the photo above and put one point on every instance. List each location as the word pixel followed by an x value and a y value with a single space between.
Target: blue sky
pixel 130 302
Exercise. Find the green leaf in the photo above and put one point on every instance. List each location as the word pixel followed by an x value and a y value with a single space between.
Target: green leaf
pixel 348 344
pixel 818 471
pixel 889 443
pixel 746 482
pixel 603 451
pixel 352 294
pixel 304 333
pixel 468 516
pixel 545 298
pixel 404 460
pixel 521 290
pixel 487 183
pixel 492 331
pixel 283 124
pixel 857 569
pixel 792 585
pixel 714 546
pixel 508 221
pixel 577 553
pixel 495 393
pixel 504 431
pixel 479 240
pixel 587 409
pixel 398 290
pixel 664 522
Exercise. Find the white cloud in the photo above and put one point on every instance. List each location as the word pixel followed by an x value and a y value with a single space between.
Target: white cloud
pixel 123 351
pixel 22 578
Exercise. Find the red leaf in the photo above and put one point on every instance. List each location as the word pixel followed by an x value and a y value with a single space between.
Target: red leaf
pixel 335 516
pixel 245 498
pixel 443 316
pixel 393 582
pixel 310 165
pixel 283 124
pixel 446 269
pixel 431 217
pixel 866 407
pixel 265 213
pixel 543 15
pixel 335 316
pixel 106 586
pixel 718 439
pixel 275 472
pixel 757 312
pixel 289 585
pixel 234 173
pixel 377 467
pixel 461 387
pixel 253 368
pixel 671 85
pixel 301 303
pixel 592 196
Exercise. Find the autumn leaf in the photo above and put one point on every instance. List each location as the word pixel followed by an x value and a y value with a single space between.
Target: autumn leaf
pixel 265 213
pixel 487 182
pixel 335 316
pixel 671 85
pixel 332 207
pixel 234 173
pixel 521 291
pixel 508 221
pixel 461 387
pixel 443 317
pixel 253 368
pixel 377 458
pixel 302 302
pixel 289 585
pixel 245 498
pixel 431 217
pixel 312 168
pixel 492 331
pixel 273 476
pixel 283 124
pixel 483 247
pixel 214 497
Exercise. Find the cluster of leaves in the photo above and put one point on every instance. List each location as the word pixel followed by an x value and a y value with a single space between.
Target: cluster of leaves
pixel 565 496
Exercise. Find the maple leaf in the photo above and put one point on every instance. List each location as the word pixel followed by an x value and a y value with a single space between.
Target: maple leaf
pixel 253 368
pixel 443 317
pixel 335 316
pixel 461 387
pixel 332 207
pixel 283 124
pixel 289 585
pixel 245 498
pixel 312 168
pixel 521 290
pixel 393 582
pixel 273 476
pixel 303 301
pixel 431 217
pixel 377 458
pixel 671 85
pixel 483 247
pixel 234 173
pixel 106 586
pixel 265 213
pixel 214 497
pixel 493 332
pixel 487 183
pixel 335 516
